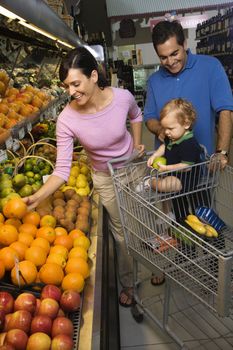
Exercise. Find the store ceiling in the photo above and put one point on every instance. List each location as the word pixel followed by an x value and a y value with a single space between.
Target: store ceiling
pixel 135 8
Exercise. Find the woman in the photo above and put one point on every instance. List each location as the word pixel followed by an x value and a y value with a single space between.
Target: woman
pixel 96 115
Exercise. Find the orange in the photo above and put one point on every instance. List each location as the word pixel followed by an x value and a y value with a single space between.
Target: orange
pixel 59 249
pixel 2 269
pixel 32 217
pixel 76 233
pixel 25 273
pixel 57 259
pixel 28 228
pixel 51 273
pixel 20 248
pixel 46 232
pixel 9 256
pixel 78 252
pixel 73 281
pixel 25 238
pixel 1 218
pixel 66 241
pixel 48 220
pixel 8 234
pixel 37 255
pixel 15 222
pixel 41 242
pixel 60 231
pixel 77 265
pixel 15 208
pixel 82 241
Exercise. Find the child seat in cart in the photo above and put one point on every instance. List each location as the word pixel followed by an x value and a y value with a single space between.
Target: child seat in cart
pixel 190 256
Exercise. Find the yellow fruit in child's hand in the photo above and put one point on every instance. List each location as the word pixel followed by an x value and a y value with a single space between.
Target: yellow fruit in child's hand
pixel 211 231
pixel 193 218
pixel 157 160
pixel 197 227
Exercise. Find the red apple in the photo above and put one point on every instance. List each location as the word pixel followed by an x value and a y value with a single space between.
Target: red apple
pixel 20 319
pixel 17 338
pixel 2 319
pixel 41 323
pixel 38 302
pixel 48 307
pixel 62 325
pixel 6 324
pixel 6 302
pixel 25 301
pixel 51 291
pixel 70 301
pixel 62 342
pixel 2 338
pixel 39 341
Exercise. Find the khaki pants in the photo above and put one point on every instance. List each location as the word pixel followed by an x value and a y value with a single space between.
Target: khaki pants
pixel 104 186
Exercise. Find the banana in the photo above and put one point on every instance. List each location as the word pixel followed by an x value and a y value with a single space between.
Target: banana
pixel 199 228
pixel 211 230
pixel 194 219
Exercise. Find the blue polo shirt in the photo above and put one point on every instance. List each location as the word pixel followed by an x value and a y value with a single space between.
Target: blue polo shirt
pixel 203 82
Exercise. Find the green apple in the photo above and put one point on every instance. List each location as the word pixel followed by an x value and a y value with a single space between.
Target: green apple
pixel 157 160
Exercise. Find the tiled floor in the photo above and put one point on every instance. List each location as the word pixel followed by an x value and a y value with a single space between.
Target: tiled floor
pixel 189 319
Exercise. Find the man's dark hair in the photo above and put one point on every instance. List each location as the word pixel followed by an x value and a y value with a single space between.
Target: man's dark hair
pixel 165 30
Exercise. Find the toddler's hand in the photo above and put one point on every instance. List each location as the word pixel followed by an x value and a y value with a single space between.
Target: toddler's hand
pixel 162 167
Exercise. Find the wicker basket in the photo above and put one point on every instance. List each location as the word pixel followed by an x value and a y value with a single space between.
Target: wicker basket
pixel 22 161
pixel 31 150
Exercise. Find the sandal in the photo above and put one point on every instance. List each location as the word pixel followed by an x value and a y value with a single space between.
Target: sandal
pixel 157 281
pixel 127 295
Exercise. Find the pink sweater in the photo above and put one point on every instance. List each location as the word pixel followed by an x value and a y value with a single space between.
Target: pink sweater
pixel 103 134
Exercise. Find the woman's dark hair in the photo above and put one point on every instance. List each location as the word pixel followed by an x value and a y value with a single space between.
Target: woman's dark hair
pixel 165 30
pixel 81 58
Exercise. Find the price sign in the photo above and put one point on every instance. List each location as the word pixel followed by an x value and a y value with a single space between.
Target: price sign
pixel 3 156
pixel 16 145
pixel 21 133
pixel 9 143
pixel 45 178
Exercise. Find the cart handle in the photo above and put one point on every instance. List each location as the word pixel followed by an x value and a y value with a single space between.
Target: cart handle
pixel 125 160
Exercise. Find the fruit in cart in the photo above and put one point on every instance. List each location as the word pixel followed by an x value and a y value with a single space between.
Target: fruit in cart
pixel 199 228
pixel 70 301
pixel 41 323
pixel 193 218
pixel 210 231
pixel 38 341
pixel 25 301
pixel 15 208
pixel 17 338
pixel 161 160
pixel 6 302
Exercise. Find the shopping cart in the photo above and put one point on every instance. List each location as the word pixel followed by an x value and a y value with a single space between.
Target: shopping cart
pixel 199 264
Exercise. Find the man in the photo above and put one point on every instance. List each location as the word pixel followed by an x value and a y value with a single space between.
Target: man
pixel 197 78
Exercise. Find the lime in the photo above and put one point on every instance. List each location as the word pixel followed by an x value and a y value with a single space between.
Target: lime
pixel 25 191
pixel 19 180
pixel 41 165
pixel 27 167
pixel 36 169
pixel 29 174
pixel 37 177
pixel 31 180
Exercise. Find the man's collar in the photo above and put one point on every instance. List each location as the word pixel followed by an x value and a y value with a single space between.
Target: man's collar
pixel 190 61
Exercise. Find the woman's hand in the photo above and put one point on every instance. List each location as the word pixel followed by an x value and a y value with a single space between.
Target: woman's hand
pixel 31 201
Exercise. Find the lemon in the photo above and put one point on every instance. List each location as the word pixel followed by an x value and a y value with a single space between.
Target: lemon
pixel 82 177
pixel 82 191
pixel 74 171
pixel 71 181
pixel 81 183
pixel 84 170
